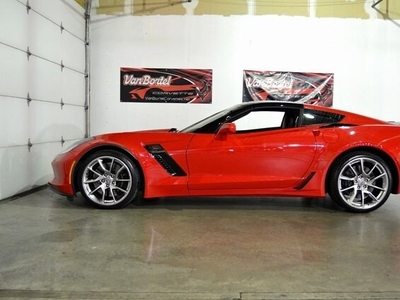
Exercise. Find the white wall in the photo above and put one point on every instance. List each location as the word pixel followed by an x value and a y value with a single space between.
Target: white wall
pixel 363 55
pixel 44 121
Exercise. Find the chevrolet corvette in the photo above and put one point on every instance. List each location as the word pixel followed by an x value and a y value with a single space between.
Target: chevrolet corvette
pixel 266 148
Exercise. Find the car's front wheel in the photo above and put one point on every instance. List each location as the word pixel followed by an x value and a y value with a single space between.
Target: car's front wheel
pixel 108 179
pixel 360 182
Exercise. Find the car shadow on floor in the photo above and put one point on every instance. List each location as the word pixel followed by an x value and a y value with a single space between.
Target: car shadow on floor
pixel 240 203
pixel 211 203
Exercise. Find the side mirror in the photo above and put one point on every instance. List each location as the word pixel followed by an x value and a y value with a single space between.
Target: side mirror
pixel 224 130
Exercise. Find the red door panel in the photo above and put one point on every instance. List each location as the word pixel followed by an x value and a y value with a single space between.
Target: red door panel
pixel 262 160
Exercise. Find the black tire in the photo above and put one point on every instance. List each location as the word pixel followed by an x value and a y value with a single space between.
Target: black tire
pixel 360 182
pixel 108 179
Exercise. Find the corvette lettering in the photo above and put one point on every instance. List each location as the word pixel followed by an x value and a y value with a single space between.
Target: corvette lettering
pixel 146 80
pixel 162 93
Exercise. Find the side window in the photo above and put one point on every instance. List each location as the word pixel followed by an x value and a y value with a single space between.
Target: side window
pixel 259 120
pixel 311 117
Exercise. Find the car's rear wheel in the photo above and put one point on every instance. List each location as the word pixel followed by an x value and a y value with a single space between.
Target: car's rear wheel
pixel 360 182
pixel 108 179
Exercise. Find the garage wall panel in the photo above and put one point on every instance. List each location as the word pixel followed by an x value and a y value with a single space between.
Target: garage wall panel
pixel 14 23
pixel 14 71
pixel 42 91
pixel 45 118
pixel 15 170
pixel 14 120
pixel 72 88
pixel 45 38
pixel 43 80
pixel 73 54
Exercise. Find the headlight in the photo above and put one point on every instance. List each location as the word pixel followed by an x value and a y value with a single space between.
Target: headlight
pixel 76 144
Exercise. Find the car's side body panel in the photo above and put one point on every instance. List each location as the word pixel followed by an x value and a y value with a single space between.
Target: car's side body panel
pixel 259 161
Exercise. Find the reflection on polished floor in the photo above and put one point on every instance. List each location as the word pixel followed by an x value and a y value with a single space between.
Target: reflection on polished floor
pixel 208 248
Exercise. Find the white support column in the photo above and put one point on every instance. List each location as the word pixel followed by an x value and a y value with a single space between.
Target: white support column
pixel 371 11
pixel 251 7
pixel 190 7
pixel 312 8
pixel 95 4
pixel 128 7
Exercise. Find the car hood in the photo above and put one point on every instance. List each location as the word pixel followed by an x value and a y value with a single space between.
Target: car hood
pixel 131 138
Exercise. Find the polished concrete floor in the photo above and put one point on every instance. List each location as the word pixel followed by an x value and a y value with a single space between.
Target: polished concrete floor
pixel 210 248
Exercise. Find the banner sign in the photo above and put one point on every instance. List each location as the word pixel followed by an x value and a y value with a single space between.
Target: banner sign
pixel 166 85
pixel 313 88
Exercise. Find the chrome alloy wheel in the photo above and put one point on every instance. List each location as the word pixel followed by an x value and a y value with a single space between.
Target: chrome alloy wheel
pixel 107 180
pixel 363 183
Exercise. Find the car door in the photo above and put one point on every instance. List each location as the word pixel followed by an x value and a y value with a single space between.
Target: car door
pixel 254 157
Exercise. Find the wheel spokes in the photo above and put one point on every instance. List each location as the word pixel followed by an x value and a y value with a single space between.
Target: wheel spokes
pixel 100 162
pixel 95 190
pixel 363 182
pixel 107 180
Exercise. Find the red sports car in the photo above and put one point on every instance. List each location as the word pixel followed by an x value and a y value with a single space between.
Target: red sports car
pixel 252 149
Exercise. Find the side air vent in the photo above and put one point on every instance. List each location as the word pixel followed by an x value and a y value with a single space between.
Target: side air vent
pixel 165 160
pixel 305 181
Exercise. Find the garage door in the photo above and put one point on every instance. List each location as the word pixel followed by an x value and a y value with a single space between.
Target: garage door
pixel 42 88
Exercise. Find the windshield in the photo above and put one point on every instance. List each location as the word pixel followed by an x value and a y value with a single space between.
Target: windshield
pixel 207 125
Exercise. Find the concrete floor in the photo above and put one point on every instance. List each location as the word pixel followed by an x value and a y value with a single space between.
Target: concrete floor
pixel 208 248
